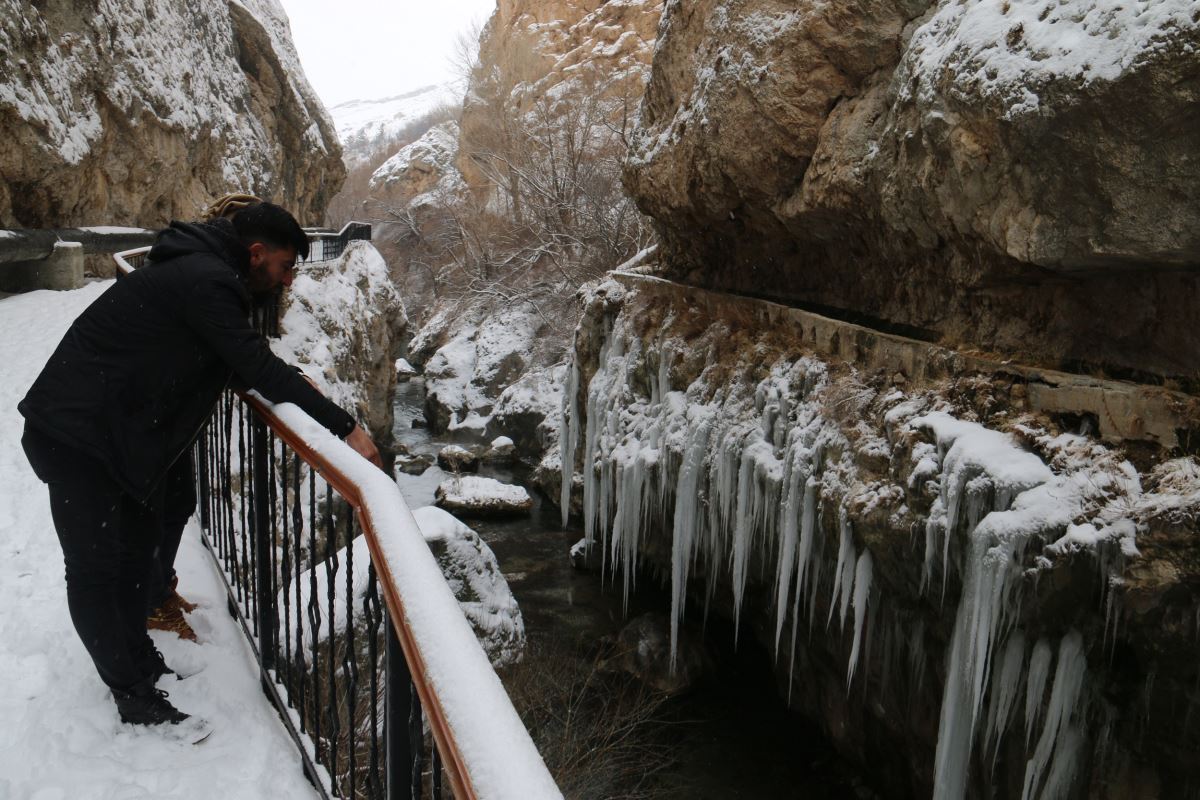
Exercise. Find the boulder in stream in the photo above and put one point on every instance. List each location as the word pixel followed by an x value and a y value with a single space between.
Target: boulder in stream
pixel 478 496
pixel 454 458
pixel 471 570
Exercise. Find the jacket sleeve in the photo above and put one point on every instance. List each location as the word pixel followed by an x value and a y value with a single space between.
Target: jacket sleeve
pixel 214 312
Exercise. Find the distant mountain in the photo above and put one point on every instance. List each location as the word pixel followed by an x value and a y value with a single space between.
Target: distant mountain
pixel 366 125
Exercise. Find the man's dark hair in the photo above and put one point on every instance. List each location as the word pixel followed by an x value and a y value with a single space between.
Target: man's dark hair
pixel 272 225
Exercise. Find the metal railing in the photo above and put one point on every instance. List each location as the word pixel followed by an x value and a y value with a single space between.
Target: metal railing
pixel 323 246
pixel 327 245
pixel 363 648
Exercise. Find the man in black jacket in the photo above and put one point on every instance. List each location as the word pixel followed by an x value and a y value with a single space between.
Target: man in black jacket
pixel 126 393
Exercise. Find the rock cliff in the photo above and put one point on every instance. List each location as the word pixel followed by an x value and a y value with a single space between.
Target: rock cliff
pixel 1016 176
pixel 343 322
pixel 139 112
pixel 539 61
pixel 974 594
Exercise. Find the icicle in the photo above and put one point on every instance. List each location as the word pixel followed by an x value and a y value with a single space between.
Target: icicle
pixel 862 592
pixel 843 577
pixel 932 525
pixel 568 433
pixel 1061 737
pixel 795 476
pixel 1035 685
pixel 743 534
pixel 916 659
pixel 1004 692
pixel 685 528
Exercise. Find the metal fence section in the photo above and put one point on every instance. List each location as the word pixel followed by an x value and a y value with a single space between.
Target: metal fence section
pixel 287 544
pixel 327 245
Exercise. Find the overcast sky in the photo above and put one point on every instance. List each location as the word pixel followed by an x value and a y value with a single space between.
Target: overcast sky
pixel 367 49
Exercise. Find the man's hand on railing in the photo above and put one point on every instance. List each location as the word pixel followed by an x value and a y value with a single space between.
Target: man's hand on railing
pixel 362 444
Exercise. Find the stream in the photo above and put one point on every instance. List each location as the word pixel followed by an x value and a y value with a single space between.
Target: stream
pixel 731 737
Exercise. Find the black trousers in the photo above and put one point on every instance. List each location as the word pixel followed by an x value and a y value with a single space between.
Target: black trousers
pixel 108 541
pixel 179 502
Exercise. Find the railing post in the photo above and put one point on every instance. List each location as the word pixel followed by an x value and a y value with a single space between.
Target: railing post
pixel 202 479
pixel 264 593
pixel 403 769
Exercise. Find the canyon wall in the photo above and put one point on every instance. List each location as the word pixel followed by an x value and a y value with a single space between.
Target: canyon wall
pixel 975 592
pixel 136 112
pixel 1020 177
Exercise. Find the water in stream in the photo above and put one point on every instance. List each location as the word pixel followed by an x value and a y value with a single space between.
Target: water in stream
pixel 731 738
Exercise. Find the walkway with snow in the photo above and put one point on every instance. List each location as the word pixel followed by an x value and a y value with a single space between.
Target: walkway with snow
pixel 61 737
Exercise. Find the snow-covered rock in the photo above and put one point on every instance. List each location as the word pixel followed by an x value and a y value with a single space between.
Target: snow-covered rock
pixel 420 167
pixel 454 458
pixel 475 578
pixel 474 363
pixel 527 411
pixel 404 370
pixel 901 159
pixel 468 565
pixel 342 323
pixel 136 113
pixel 501 449
pixel 478 496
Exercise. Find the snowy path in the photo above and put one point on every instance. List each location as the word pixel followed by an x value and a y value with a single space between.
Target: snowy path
pixel 60 736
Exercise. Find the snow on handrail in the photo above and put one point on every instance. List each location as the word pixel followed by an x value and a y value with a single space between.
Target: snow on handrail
pixel 129 260
pixel 487 751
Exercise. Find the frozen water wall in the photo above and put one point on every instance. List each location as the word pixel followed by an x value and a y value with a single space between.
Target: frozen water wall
pixel 941 577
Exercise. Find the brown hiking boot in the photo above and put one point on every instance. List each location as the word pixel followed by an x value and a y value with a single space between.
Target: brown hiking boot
pixel 169 617
pixel 184 604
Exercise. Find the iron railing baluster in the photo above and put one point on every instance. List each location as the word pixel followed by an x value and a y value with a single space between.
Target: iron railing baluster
pixel 374 617
pixel 260 556
pixel 331 568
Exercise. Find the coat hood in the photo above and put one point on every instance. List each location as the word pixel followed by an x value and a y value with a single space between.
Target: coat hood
pixel 186 238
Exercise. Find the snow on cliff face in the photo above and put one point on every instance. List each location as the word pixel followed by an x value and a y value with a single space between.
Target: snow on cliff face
pixel 1014 49
pixel 144 111
pixel 341 325
pixel 425 166
pixel 894 158
pixel 362 124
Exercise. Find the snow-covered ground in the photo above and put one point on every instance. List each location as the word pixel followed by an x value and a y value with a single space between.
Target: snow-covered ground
pixel 61 736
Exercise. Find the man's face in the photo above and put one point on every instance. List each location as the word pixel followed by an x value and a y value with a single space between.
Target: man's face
pixel 270 267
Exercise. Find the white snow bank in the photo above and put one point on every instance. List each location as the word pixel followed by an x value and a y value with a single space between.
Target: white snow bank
pixel 61 736
pixel 1012 48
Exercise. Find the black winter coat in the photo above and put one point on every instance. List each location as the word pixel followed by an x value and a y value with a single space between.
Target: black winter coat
pixel 140 371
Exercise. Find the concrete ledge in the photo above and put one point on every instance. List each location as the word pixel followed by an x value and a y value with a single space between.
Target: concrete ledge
pixel 1121 410
pixel 62 269
pixel 32 245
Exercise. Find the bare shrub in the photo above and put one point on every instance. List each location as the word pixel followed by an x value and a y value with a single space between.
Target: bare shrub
pixel 602 735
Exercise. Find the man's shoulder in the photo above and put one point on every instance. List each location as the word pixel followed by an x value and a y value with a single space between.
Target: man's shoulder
pixel 197 271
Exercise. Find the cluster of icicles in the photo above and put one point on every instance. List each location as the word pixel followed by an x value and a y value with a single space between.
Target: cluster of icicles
pixel 739 475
